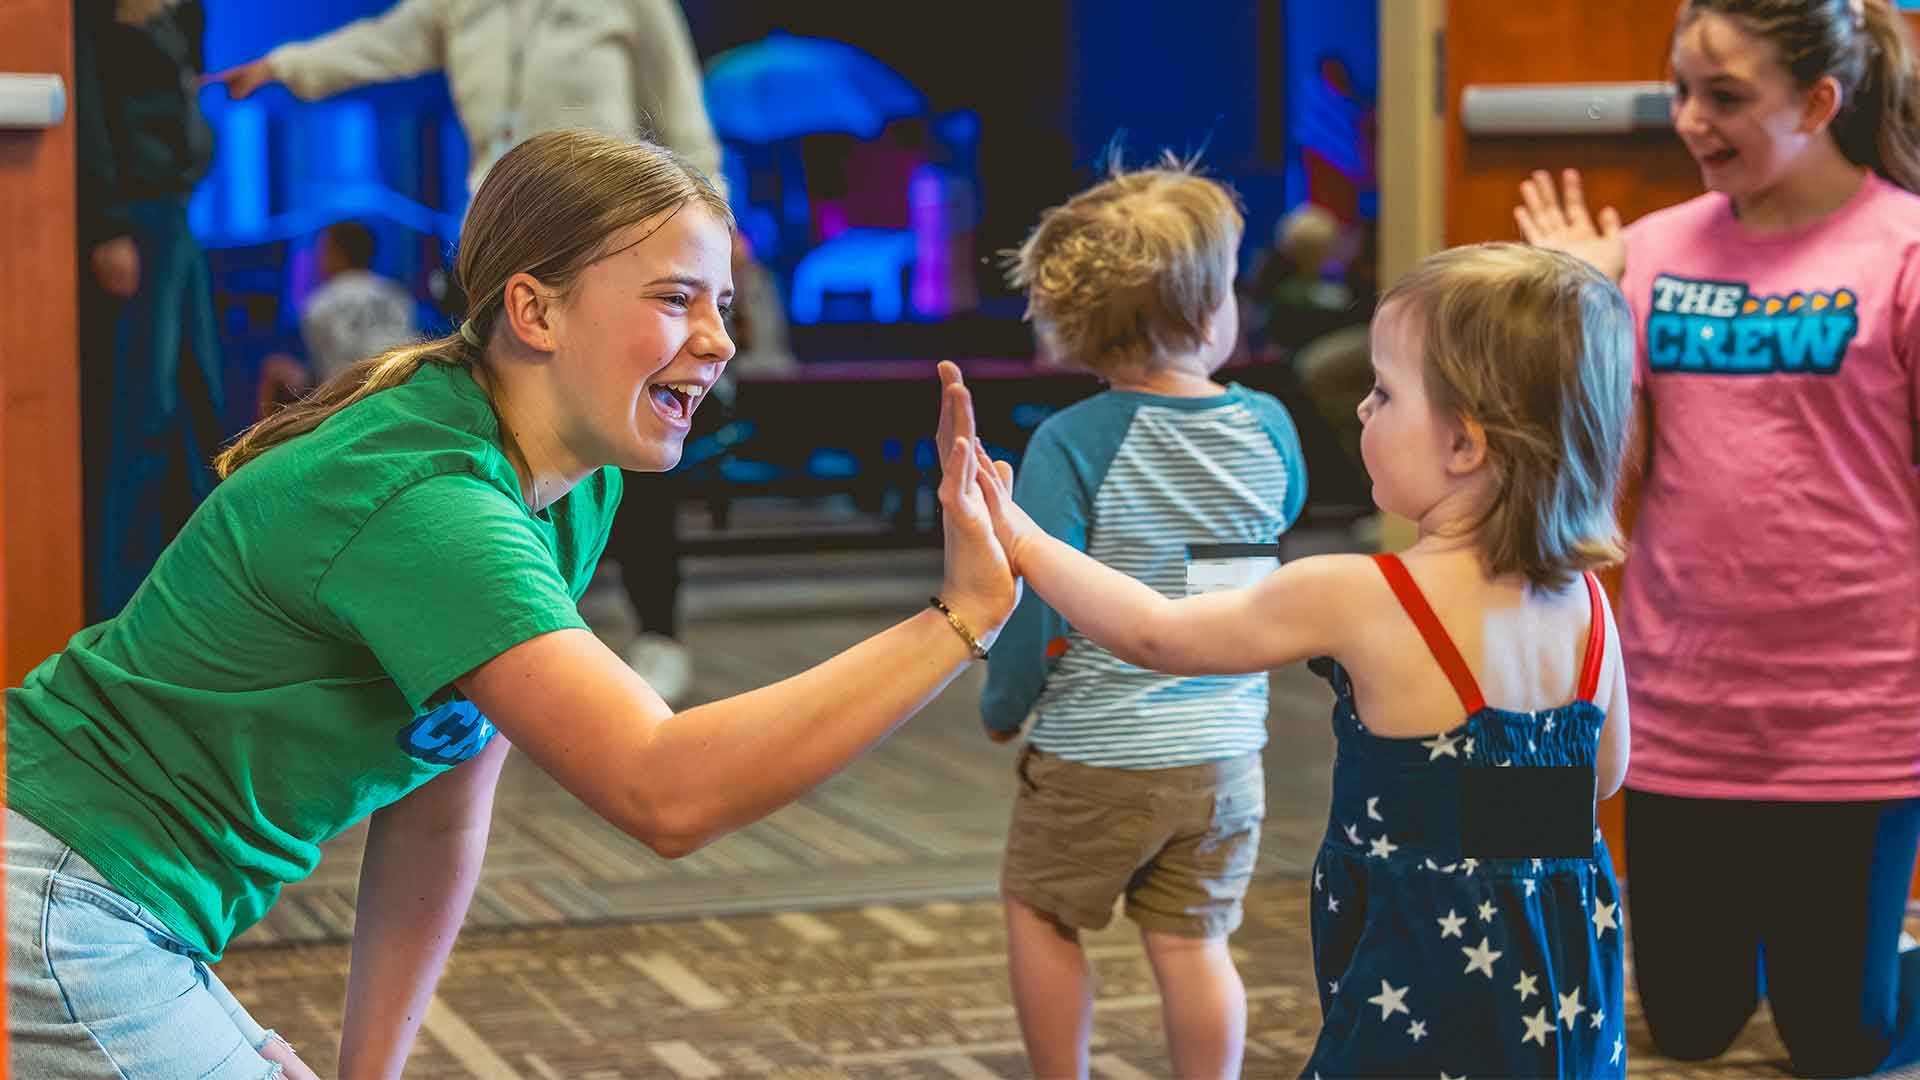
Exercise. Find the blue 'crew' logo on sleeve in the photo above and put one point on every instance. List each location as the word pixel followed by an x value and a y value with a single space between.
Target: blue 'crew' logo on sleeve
pixel 1719 328
pixel 448 735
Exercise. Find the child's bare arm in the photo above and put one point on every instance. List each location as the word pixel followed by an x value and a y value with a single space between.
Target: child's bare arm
pixel 1294 613
pixel 1615 732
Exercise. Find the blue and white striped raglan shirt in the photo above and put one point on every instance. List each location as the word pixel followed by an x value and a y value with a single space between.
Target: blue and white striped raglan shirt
pixel 1132 479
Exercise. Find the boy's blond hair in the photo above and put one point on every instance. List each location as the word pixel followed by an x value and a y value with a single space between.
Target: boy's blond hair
pixel 1537 347
pixel 1132 269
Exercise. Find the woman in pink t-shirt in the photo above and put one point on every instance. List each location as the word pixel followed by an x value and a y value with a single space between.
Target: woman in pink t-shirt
pixel 1770 610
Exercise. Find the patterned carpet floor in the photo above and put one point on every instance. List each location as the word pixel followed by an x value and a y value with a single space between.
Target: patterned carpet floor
pixel 877 991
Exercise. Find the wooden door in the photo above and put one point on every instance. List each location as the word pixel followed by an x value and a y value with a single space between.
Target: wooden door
pixel 1487 41
pixel 1557 41
pixel 40 567
pixel 39 363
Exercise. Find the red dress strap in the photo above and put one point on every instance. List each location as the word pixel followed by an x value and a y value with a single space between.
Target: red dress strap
pixel 1596 642
pixel 1438 643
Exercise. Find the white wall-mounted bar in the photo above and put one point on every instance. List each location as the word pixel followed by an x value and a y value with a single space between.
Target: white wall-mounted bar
pixel 32 101
pixel 1615 108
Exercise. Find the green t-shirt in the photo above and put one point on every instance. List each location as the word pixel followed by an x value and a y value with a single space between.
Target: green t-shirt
pixel 286 669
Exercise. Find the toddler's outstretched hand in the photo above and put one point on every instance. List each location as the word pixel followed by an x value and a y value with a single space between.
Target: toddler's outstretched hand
pixel 1011 525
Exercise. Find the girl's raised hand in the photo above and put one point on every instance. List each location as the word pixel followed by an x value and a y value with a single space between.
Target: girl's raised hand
pixel 1559 220
pixel 1011 525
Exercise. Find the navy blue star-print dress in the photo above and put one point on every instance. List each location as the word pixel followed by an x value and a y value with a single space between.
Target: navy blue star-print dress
pixel 1434 964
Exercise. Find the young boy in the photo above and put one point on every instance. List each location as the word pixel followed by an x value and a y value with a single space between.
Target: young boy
pixel 1134 783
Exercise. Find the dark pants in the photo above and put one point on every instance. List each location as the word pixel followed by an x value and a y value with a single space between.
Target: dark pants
pixel 1720 891
pixel 150 404
pixel 645 541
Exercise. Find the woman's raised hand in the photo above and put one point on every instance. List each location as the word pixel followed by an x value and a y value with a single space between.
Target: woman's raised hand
pixel 1559 220
pixel 978 584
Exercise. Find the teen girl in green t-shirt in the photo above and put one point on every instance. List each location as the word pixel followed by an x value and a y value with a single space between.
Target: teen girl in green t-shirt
pixel 388 575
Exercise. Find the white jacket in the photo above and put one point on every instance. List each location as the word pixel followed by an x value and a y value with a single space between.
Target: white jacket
pixel 624 67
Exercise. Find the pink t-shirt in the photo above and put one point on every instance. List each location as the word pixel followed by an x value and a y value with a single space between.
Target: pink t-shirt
pixel 1770 612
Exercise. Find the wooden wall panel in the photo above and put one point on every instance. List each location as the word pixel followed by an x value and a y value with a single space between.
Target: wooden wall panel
pixel 40 567
pixel 39 363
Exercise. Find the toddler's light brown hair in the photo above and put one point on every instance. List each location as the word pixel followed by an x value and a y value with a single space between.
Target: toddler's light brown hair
pixel 1537 347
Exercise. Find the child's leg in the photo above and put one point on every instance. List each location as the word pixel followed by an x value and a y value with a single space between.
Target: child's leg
pixel 1695 868
pixel 1076 836
pixel 1187 900
pixel 1202 1001
pixel 1052 991
pixel 1844 997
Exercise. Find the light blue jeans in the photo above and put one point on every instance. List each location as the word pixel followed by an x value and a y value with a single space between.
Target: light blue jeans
pixel 98 988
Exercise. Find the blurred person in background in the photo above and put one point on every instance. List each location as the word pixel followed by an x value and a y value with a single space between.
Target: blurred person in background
pixel 150 387
pixel 354 314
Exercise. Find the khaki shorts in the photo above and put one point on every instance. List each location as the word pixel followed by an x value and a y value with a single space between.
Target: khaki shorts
pixel 1179 844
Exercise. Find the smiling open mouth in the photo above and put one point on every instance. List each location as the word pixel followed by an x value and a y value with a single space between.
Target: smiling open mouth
pixel 676 400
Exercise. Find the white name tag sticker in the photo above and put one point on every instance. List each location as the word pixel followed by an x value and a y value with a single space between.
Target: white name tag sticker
pixel 1219 567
